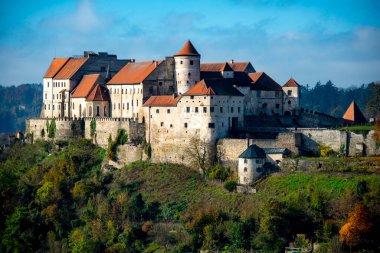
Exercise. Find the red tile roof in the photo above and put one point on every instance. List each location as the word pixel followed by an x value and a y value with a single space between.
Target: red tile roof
pixel 85 86
pixel 188 50
pixel 162 101
pixel 216 67
pixel 98 93
pixel 55 66
pixel 134 72
pixel 261 81
pixel 354 114
pixel 291 83
pixel 223 87
pixel 70 68
pixel 240 66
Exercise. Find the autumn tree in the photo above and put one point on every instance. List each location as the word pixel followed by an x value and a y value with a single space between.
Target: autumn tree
pixel 357 225
pixel 198 152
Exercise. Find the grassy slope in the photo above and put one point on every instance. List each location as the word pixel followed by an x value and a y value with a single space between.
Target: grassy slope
pixel 168 183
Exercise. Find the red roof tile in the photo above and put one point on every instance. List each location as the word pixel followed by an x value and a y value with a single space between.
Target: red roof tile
pixel 85 86
pixel 70 68
pixel 354 114
pixel 240 66
pixel 55 66
pixel 188 50
pixel 216 67
pixel 99 93
pixel 261 81
pixel 134 72
pixel 162 101
pixel 223 87
pixel 291 83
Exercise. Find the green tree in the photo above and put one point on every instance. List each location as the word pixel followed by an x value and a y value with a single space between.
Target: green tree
pixel 52 129
pixel 92 127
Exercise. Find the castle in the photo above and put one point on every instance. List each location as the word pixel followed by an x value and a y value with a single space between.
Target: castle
pixel 171 102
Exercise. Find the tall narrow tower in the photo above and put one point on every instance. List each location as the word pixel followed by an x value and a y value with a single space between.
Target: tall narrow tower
pixel 187 68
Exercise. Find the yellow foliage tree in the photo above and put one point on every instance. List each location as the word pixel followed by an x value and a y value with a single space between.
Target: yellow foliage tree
pixel 357 224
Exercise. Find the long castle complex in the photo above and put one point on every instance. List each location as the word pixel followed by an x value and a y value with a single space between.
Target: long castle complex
pixel 169 103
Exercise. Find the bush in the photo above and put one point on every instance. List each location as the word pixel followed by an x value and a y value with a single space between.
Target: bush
pixel 121 139
pixel 219 172
pixel 325 151
pixel 230 185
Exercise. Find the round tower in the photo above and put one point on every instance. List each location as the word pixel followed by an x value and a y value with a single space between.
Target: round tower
pixel 187 68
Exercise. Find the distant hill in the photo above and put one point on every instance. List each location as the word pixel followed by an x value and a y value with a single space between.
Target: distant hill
pixel 329 99
pixel 18 103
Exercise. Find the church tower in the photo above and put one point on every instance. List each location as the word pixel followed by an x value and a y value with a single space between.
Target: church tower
pixel 187 68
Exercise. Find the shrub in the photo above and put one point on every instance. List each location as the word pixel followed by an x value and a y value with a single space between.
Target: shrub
pixel 43 133
pixel 52 129
pixel 230 185
pixel 92 127
pixel 219 172
pixel 121 139
pixel 325 151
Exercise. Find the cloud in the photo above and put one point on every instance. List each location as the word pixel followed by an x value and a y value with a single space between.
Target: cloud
pixel 83 20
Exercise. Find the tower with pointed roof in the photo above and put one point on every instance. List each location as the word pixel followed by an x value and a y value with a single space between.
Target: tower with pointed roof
pixel 187 68
pixel 354 115
pixel 292 92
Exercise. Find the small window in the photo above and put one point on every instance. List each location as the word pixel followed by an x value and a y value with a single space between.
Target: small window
pixel 162 123
pixel 123 106
pixel 48 84
pixel 258 93
pixel 211 125
pixel 265 105
pixel 245 169
pixel 122 91
pixel 185 125
pixel 245 161
pixel 181 62
pixel 289 92
pixel 221 109
pixel 45 96
pixel 189 74
pixel 157 110
pixel 232 109
pixel 238 109
pixel 187 109
pixel 168 111
pixel 127 106
pixel 160 83
pixel 119 106
pixel 191 62
pixel 277 106
pixel 171 125
pixel 289 102
pixel 205 109
pixel 196 109
pixel 191 97
pixel 212 109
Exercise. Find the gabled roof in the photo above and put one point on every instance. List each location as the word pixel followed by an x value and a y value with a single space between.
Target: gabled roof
pixel 70 68
pixel 55 66
pixel 241 66
pixel 188 50
pixel 134 72
pixel 261 81
pixel 85 86
pixel 216 67
pixel 253 151
pixel 98 93
pixel 222 87
pixel 291 83
pixel 354 114
pixel 282 151
pixel 162 101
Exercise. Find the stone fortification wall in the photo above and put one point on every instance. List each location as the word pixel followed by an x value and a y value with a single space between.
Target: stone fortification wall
pixel 69 128
pixel 228 150
pixel 109 126
pixel 353 144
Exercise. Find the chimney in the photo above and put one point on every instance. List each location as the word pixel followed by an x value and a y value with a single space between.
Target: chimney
pixel 232 61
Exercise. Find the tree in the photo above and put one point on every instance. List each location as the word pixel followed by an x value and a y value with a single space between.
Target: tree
pixel 92 127
pixel 52 129
pixel 198 153
pixel 357 225
pixel 373 104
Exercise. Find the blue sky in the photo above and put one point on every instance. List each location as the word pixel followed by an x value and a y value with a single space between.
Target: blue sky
pixel 308 40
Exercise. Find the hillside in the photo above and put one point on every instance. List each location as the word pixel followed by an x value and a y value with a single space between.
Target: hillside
pixel 56 198
pixel 18 103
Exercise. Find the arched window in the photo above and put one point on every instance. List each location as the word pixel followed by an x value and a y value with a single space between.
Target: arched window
pixel 97 111
pixel 245 161
pixel 105 111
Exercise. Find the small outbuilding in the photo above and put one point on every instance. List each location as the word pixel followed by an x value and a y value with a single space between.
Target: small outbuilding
pixel 251 164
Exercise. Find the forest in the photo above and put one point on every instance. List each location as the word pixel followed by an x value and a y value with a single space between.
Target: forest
pixel 57 197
